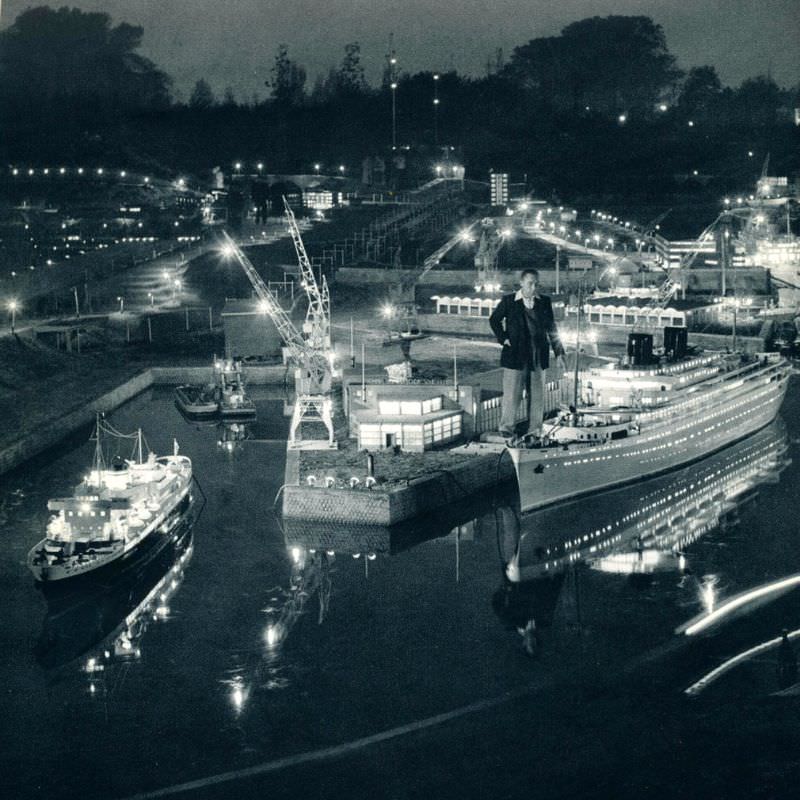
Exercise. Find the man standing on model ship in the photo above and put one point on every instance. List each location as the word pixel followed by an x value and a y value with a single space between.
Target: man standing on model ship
pixel 524 325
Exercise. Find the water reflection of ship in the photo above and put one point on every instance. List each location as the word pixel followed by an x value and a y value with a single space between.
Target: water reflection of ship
pixel 636 531
pixel 105 623
pixel 646 526
pixel 231 434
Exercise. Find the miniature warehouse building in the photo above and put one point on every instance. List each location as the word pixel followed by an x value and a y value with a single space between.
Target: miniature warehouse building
pixel 420 416
pixel 415 417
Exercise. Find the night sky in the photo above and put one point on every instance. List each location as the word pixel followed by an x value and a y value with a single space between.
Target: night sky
pixel 233 42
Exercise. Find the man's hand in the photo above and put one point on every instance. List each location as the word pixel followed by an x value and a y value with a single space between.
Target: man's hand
pixel 561 363
pixel 506 343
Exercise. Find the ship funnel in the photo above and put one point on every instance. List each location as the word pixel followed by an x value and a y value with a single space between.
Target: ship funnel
pixel 640 349
pixel 675 342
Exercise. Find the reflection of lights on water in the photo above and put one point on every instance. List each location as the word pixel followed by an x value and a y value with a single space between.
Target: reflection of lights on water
pixel 737 602
pixel 708 592
pixel 239 694
pixel 273 635
pixel 644 561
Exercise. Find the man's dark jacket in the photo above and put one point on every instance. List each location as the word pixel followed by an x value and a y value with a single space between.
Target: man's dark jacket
pixel 508 322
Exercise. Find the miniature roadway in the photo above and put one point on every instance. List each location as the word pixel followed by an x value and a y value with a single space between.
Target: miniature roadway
pixel 606 256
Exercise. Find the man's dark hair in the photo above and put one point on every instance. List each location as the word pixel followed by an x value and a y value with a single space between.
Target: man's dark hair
pixel 529 271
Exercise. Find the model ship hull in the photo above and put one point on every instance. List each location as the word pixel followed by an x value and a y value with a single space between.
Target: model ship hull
pixel 99 528
pixel 59 578
pixel 667 439
pixel 194 402
pixel 244 410
pixel 92 618
pixel 632 529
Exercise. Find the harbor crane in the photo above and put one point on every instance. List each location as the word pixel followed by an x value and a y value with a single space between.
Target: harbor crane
pixel 318 316
pixel 402 303
pixel 313 370
pixel 670 285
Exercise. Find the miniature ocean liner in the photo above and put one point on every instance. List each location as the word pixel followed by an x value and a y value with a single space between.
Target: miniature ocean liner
pixel 646 417
pixel 112 511
pixel 646 527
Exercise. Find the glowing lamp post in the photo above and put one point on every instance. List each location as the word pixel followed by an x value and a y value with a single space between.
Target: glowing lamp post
pixel 121 301
pixel 393 87
pixel 13 305
pixel 436 108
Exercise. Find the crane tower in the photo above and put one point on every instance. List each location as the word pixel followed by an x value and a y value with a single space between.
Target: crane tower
pixel 313 372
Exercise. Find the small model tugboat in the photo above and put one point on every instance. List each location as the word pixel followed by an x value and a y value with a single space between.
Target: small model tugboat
pixel 197 401
pixel 234 403
pixel 113 511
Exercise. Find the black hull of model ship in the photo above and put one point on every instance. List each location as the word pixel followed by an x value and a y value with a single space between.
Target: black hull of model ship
pixel 78 622
pixel 105 576
pixel 191 404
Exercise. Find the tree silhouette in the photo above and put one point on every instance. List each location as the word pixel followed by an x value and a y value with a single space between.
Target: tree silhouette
pixel 758 100
pixel 700 92
pixel 350 76
pixel 610 65
pixel 69 60
pixel 202 96
pixel 288 79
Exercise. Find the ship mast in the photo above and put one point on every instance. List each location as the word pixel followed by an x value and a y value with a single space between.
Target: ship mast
pixel 98 463
pixel 139 443
pixel 577 346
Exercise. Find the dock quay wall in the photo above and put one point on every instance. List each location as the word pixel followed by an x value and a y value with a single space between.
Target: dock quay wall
pixel 50 433
pixel 400 503
pixel 260 374
pixel 53 431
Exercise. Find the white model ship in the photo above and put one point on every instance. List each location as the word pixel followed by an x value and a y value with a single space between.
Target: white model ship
pixel 645 418
pixel 646 527
pixel 112 511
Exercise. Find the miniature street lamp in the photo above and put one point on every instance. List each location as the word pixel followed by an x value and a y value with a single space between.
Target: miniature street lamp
pixel 436 108
pixel 13 305
pixel 121 301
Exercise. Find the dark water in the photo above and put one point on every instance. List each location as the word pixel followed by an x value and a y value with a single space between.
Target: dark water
pixel 242 643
